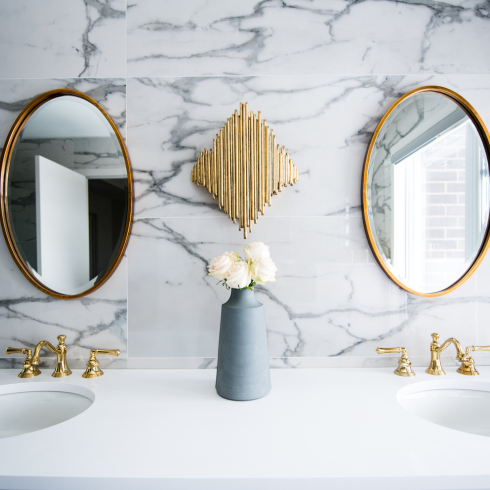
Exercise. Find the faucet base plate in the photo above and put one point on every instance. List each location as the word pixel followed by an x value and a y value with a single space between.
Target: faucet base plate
pixel 61 374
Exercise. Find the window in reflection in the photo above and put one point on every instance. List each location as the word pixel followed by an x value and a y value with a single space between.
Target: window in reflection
pixel 440 196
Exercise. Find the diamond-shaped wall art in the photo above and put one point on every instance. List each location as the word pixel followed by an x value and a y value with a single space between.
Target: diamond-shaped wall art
pixel 245 168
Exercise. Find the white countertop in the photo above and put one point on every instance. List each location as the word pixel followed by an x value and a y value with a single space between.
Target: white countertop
pixel 317 429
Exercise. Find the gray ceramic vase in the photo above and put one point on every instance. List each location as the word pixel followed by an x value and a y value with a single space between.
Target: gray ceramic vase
pixel 243 358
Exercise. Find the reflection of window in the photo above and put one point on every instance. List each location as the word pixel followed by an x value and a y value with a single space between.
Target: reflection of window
pixel 439 208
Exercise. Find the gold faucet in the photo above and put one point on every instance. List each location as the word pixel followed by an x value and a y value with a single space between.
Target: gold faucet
pixel 435 367
pixel 28 371
pixel 404 365
pixel 61 368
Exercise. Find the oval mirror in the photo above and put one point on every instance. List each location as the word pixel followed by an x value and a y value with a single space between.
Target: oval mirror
pixel 425 191
pixel 66 194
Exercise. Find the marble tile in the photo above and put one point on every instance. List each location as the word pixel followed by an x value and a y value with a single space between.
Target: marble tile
pixel 331 304
pixel 55 38
pixel 306 37
pixel 26 314
pixel 329 295
pixel 325 122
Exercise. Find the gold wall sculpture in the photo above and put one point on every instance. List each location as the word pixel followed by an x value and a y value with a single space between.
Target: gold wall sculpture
pixel 244 168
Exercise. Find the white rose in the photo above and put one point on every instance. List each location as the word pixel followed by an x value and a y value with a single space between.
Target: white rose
pixel 220 266
pixel 264 270
pixel 239 275
pixel 256 250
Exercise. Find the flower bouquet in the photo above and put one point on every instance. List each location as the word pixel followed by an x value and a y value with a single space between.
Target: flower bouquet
pixel 233 272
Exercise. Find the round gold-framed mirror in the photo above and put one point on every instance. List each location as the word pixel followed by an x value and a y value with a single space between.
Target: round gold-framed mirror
pixel 66 197
pixel 426 191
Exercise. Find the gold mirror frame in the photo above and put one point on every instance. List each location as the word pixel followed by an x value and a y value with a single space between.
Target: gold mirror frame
pixel 5 167
pixel 485 138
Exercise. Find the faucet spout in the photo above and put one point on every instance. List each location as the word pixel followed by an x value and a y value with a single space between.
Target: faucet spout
pixel 37 350
pixel 435 367
pixel 61 368
pixel 452 340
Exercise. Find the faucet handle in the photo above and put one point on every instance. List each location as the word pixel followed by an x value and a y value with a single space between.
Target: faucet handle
pixel 404 365
pixel 93 370
pixel 29 370
pixel 477 347
pixel 468 364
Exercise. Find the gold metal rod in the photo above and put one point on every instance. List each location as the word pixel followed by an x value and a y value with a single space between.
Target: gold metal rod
pixel 207 168
pixel 280 169
pixel 270 165
pixel 213 170
pixel 237 156
pixel 259 161
pixel 267 163
pixel 222 166
pixel 250 165
pixel 240 168
pixel 201 159
pixel 255 188
pixel 286 175
pixel 210 171
pixel 199 173
pixel 221 178
pixel 283 174
pixel 257 168
pixel 244 171
pixel 229 167
pixel 270 150
pixel 244 167
pixel 252 170
pixel 276 165
pixel 219 167
pixel 285 159
pixel 247 166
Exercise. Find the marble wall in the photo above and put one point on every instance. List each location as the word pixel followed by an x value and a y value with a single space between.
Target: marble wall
pixel 169 73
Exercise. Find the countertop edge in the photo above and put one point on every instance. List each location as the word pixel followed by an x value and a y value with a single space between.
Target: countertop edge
pixel 477 482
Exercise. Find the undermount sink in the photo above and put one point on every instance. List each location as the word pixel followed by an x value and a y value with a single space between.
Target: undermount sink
pixel 460 405
pixel 28 407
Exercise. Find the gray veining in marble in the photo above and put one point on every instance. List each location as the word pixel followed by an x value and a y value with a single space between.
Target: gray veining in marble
pixel 306 37
pixel 323 74
pixel 56 38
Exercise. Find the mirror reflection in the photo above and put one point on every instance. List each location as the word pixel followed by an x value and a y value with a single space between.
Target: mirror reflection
pixel 68 194
pixel 428 192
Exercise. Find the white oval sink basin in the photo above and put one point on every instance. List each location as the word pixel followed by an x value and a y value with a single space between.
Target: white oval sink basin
pixel 27 407
pixel 460 405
